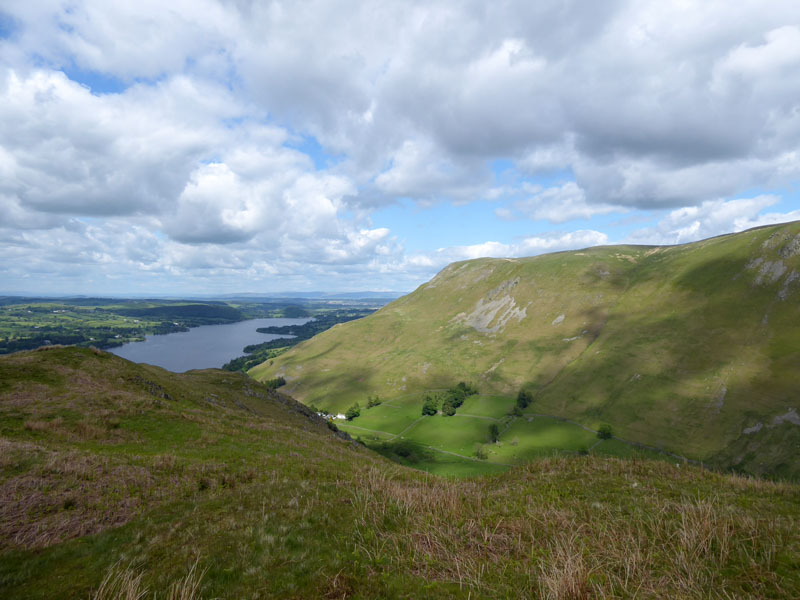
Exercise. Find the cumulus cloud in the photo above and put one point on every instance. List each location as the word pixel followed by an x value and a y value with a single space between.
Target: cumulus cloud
pixel 176 126
pixel 67 151
pixel 419 171
pixel 146 39
pixel 529 246
pixel 712 217
pixel 559 204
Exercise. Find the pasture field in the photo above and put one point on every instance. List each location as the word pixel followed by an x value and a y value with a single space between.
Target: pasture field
pixel 540 436
pixel 455 441
pixel 487 406
pixel 452 434
pixel 389 417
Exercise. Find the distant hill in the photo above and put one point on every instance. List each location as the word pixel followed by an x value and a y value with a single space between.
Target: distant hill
pixel 317 295
pixel 212 312
pixel 694 348
pixel 120 480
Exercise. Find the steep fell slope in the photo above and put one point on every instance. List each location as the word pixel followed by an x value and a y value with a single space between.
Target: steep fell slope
pixel 693 348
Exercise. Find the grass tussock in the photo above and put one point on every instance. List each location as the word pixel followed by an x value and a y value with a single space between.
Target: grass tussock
pixel 126 584
pixel 36 426
pixel 188 587
pixel 120 584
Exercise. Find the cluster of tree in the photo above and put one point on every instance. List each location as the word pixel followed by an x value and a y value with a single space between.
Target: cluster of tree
pixel 605 432
pixel 453 398
pixel 430 405
pixel 353 412
pixel 318 324
pixel 247 362
pixel 373 401
pixel 449 400
pixel 524 399
pixel 480 452
pixel 29 343
pixel 275 383
pixel 281 343
pixel 295 312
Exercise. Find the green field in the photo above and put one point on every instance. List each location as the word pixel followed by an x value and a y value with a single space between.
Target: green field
pixel 693 349
pixel 453 434
pixel 487 406
pixel 391 418
pixel 542 436
pixel 455 440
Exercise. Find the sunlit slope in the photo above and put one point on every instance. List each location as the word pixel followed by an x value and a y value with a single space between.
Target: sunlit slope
pixel 687 347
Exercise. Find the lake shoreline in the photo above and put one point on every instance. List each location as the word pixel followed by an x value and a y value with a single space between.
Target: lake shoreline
pixel 204 346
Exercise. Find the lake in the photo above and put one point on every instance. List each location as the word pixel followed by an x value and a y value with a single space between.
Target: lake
pixel 208 346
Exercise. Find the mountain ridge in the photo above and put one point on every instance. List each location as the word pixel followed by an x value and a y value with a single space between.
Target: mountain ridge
pixel 686 347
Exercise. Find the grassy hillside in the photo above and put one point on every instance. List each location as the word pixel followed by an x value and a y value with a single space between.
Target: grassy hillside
pixel 694 349
pixel 124 480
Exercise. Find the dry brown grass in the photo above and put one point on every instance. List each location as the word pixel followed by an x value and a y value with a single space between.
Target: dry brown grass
pixel 646 543
pixel 565 575
pixel 68 494
pixel 14 453
pixel 55 426
pixel 188 587
pixel 120 584
pixel 125 584
pixel 89 431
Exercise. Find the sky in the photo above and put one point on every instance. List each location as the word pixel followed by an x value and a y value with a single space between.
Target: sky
pixel 225 146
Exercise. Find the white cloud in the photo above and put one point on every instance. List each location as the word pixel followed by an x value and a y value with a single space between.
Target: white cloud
pixel 67 151
pixel 145 39
pixel 548 158
pixel 217 206
pixel 418 170
pixel 189 163
pixel 560 204
pixel 529 246
pixel 779 55
pixel 711 218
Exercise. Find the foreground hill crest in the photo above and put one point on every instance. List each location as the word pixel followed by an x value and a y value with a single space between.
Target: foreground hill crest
pixel 121 480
